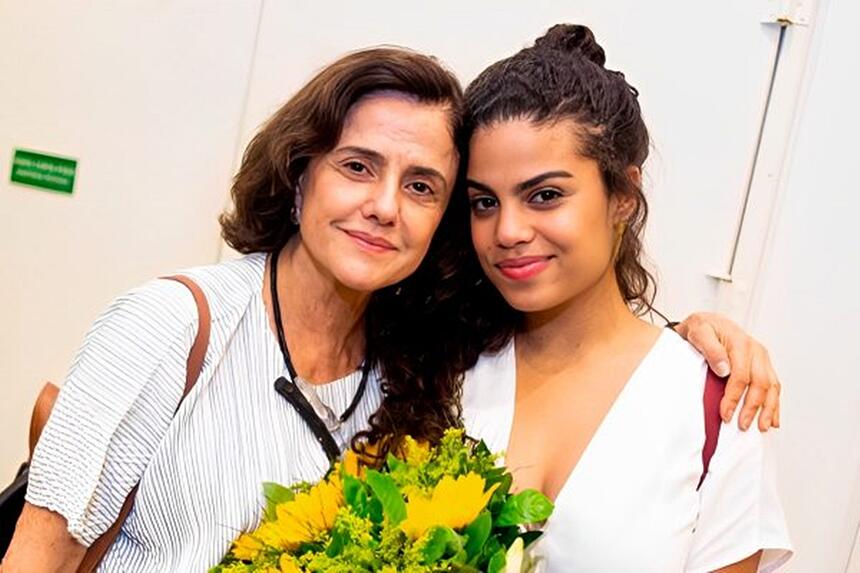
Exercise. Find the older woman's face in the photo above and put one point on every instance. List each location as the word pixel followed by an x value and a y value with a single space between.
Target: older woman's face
pixel 371 205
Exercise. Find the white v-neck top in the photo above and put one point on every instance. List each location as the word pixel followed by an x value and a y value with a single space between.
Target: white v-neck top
pixel 200 471
pixel 630 504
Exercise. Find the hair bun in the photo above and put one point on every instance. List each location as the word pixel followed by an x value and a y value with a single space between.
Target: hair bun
pixel 573 39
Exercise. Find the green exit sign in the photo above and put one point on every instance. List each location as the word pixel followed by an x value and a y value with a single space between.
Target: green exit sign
pixel 44 171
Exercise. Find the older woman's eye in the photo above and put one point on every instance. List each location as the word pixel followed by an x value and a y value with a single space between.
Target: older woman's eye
pixel 356 166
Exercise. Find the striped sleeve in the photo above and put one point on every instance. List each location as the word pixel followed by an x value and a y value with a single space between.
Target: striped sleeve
pixel 114 407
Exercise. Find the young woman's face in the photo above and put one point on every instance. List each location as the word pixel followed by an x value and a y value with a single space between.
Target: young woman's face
pixel 543 224
pixel 370 206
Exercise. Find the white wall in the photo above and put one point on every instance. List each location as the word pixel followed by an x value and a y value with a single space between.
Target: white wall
pixel 806 305
pixel 703 80
pixel 157 99
pixel 703 77
pixel 148 97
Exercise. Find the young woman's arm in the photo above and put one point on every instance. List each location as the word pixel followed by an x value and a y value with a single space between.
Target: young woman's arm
pixel 42 544
pixel 748 565
pixel 732 352
pixel 740 513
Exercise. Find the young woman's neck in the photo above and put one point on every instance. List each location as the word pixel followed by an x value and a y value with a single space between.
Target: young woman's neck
pixel 323 320
pixel 597 316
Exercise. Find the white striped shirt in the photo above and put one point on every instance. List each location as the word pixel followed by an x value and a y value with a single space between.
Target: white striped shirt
pixel 200 471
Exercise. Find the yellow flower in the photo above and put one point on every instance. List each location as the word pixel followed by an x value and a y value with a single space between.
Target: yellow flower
pixel 454 503
pixel 415 453
pixel 354 463
pixel 288 564
pixel 246 547
pixel 304 518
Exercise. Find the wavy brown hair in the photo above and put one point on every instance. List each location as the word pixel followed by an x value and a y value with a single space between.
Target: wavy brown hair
pixel 420 384
pixel 563 77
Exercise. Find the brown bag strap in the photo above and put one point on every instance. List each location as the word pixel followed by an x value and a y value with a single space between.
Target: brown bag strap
pixel 96 552
pixel 41 411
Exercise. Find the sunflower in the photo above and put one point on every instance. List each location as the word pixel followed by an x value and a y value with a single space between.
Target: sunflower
pixel 288 564
pixel 246 547
pixel 355 463
pixel 305 518
pixel 454 503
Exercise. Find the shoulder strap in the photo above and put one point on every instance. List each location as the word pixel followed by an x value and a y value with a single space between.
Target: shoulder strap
pixel 715 387
pixel 41 410
pixel 96 552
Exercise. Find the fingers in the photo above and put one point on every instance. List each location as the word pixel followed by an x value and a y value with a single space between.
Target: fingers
pixel 739 356
pixel 776 422
pixel 760 384
pixel 728 349
pixel 682 328
pixel 777 390
pixel 768 411
pixel 768 417
pixel 704 338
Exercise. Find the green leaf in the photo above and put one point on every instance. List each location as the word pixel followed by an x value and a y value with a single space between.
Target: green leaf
pixel 481 449
pixel 530 537
pixel 441 541
pixel 459 557
pixel 387 493
pixel 505 481
pixel 506 535
pixel 394 464
pixel 491 547
pixel 275 495
pixel 339 540
pixel 374 511
pixel 497 562
pixel 355 495
pixel 528 506
pixel 477 533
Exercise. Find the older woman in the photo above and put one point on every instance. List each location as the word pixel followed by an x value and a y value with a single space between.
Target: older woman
pixel 336 202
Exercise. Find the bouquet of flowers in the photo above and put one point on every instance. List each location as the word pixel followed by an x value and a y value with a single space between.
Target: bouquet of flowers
pixel 426 509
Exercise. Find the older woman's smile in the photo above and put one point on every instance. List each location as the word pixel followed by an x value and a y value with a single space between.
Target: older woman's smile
pixel 371 243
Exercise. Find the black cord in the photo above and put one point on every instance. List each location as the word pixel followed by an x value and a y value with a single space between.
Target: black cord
pixel 289 386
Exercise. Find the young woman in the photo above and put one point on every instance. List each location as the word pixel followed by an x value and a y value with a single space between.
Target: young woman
pixel 595 407
pixel 335 203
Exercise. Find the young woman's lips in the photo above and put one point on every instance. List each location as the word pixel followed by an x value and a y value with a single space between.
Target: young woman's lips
pixel 369 242
pixel 522 268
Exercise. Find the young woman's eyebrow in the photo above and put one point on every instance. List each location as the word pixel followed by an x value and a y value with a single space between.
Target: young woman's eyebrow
pixel 538 179
pixel 472 184
pixel 525 185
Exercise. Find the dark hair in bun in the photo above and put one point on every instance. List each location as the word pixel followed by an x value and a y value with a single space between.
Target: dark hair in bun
pixel 575 40
pixel 562 77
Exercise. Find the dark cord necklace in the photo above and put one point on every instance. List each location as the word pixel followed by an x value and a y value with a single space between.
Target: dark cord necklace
pixel 301 394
